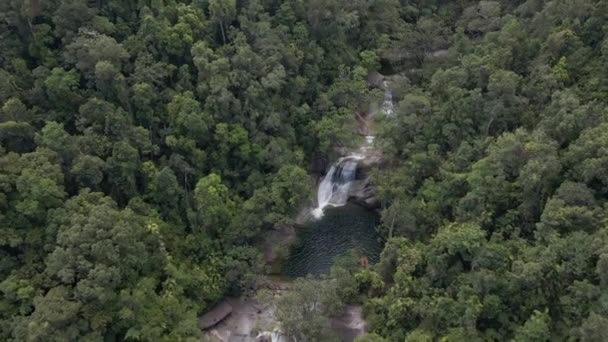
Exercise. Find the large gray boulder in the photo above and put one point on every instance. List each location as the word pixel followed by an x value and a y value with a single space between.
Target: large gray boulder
pixel 363 193
pixel 375 79
pixel 362 190
pixel 215 315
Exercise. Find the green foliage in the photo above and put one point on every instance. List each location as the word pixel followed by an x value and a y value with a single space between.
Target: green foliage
pixel 305 310
pixel 147 147
pixel 333 131
pixel 223 12
pixel 62 88
pixel 194 118
pixel 187 118
pixel 91 48
pixel 215 208
pixel 98 251
pixel 535 329
pixel 494 188
pixel 289 188
pixel 17 136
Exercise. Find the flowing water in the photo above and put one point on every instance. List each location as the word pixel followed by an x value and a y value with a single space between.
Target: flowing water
pixel 387 105
pixel 340 230
pixel 335 186
pixel 338 226
pixel 272 336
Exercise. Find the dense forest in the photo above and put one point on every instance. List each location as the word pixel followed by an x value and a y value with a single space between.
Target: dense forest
pixel 147 147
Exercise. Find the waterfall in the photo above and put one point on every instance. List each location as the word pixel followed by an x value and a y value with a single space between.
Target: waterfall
pixel 387 105
pixel 335 186
pixel 270 336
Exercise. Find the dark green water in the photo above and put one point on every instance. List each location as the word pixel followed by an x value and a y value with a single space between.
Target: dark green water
pixel 340 230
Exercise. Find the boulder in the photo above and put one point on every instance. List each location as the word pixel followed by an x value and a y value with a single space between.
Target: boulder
pixel 349 325
pixel 318 165
pixel 375 79
pixel 215 315
pixel 363 193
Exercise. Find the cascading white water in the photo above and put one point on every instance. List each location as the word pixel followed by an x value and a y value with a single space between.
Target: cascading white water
pixel 335 186
pixel 272 336
pixel 387 106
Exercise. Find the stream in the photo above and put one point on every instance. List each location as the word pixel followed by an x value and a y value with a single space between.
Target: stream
pixel 339 226
pixel 334 228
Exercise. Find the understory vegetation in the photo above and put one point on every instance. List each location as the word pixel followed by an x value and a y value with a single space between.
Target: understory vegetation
pixel 147 147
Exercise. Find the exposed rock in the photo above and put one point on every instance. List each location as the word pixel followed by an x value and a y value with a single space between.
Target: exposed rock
pixel 252 322
pixel 370 203
pixel 362 120
pixel 241 324
pixel 375 79
pixel 215 315
pixel 397 79
pixel 350 325
pixel 402 60
pixel 363 193
pixel 397 56
pixel 318 165
pixel 439 53
pixel 372 159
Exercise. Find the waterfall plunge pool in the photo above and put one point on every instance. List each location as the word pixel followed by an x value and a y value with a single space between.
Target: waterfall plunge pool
pixel 339 226
pixel 340 230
